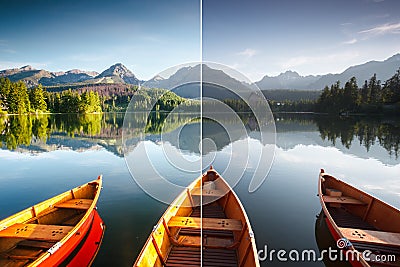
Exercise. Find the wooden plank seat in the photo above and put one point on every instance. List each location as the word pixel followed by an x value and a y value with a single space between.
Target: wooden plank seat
pixel 36 231
pixel 343 200
pixel 360 246
pixel 13 263
pixel 208 241
pixel 36 244
pixel 369 236
pixel 206 223
pixel 208 192
pixel 191 231
pixel 77 203
pixel 21 254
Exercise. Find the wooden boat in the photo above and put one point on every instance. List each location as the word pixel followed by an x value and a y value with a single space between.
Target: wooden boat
pixel 63 230
pixel 360 222
pixel 221 237
pixel 325 240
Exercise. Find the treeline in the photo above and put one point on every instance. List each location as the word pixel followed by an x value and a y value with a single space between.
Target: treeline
pixel 371 97
pixel 292 106
pixel 155 99
pixel 239 105
pixel 74 102
pixel 113 97
pixel 16 98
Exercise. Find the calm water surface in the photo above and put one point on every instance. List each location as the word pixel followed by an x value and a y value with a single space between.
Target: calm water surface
pixel 42 156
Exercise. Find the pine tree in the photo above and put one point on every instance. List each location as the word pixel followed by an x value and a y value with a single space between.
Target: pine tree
pixel 364 93
pixel 37 99
pixel 374 90
pixel 391 89
pixel 350 94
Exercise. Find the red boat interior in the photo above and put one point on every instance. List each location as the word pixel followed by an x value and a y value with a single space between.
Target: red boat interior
pixel 24 241
pixel 366 222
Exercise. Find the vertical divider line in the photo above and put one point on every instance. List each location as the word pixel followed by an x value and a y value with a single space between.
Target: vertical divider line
pixel 201 132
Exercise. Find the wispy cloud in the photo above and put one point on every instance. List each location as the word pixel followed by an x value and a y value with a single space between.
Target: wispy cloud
pixel 248 52
pixel 312 60
pixel 350 42
pixel 297 61
pixel 151 38
pixel 382 16
pixel 382 29
pixel 8 51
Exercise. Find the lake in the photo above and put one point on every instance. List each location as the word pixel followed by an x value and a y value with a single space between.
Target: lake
pixel 45 155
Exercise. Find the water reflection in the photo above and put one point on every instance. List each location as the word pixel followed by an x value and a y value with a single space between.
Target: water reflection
pixel 325 241
pixel 37 133
pixel 303 147
pixel 368 131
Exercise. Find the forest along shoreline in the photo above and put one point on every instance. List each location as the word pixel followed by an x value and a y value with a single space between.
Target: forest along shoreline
pixel 374 97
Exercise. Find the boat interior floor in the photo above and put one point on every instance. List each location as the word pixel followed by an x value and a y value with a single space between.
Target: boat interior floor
pixel 344 218
pixel 24 252
pixel 191 256
pixel 40 233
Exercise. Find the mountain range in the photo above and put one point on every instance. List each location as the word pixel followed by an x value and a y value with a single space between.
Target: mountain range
pixel 292 80
pixel 118 74
pixel 185 82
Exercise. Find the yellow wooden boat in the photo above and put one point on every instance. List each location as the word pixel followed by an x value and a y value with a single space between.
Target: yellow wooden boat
pixel 63 230
pixel 222 236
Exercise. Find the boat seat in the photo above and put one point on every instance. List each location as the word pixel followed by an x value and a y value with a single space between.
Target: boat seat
pixel 342 200
pixel 36 244
pixel 208 192
pixel 21 254
pixel 36 231
pixel 208 242
pixel 373 237
pixel 77 203
pixel 206 223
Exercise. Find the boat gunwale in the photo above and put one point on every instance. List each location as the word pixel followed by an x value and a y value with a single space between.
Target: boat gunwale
pixel 361 191
pixel 174 203
pixel 244 213
pixel 331 221
pixel 82 221
pixel 46 254
pixel 182 196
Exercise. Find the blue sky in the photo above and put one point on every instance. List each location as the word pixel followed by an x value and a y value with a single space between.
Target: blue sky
pixel 146 36
pixel 261 37
pixel 256 37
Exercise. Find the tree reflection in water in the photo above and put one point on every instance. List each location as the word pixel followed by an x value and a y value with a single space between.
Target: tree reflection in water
pixel 25 130
pixel 368 131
